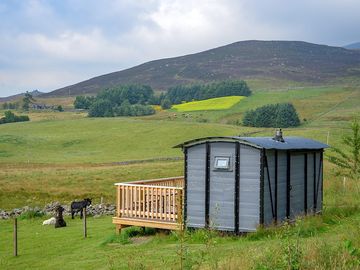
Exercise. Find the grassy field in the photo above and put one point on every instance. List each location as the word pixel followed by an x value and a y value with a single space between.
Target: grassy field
pixel 99 140
pixel 312 243
pixel 312 104
pixel 61 156
pixel 65 156
pixel 38 184
pixel 221 103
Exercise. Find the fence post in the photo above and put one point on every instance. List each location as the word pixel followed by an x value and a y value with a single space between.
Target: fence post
pixel 84 222
pixel 15 238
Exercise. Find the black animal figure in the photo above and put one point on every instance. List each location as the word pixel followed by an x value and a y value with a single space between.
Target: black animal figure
pixel 77 207
pixel 59 220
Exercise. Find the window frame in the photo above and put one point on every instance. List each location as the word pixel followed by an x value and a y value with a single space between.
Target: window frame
pixel 222 168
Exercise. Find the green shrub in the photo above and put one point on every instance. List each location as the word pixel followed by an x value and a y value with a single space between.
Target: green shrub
pixel 166 104
pixel 83 102
pixel 101 108
pixel 31 214
pixel 10 117
pixel 348 164
pixel 273 115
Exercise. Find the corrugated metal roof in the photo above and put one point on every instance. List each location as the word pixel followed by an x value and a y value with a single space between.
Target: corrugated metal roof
pixel 290 143
pixel 295 143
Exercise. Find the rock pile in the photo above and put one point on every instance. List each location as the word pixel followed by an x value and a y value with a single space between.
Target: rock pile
pixel 93 210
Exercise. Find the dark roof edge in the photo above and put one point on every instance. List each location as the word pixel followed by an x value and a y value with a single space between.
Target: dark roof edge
pixel 212 139
pixel 243 140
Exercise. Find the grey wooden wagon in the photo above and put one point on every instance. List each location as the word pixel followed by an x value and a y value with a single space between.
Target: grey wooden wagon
pixel 230 184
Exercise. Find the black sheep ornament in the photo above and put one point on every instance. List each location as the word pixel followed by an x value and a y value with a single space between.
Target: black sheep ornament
pixel 60 222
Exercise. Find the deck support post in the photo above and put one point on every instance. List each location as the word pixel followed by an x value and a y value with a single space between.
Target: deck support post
pixel 118 228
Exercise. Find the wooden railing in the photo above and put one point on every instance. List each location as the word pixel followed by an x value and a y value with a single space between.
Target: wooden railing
pixel 150 203
pixel 169 182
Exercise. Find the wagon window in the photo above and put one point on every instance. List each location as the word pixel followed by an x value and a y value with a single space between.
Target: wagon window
pixel 222 163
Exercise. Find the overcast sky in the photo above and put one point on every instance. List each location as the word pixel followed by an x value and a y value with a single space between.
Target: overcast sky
pixel 50 44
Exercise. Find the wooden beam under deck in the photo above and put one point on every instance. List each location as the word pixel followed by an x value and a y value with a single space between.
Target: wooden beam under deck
pixel 146 223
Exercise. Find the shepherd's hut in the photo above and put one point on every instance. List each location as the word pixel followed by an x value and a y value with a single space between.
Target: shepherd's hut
pixel 230 184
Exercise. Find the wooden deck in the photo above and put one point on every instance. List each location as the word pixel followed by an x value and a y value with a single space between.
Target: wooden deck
pixel 156 203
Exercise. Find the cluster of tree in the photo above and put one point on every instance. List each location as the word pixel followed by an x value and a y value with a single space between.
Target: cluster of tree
pixel 27 100
pixel 181 93
pixel 10 117
pixel 83 102
pixel 273 115
pixel 104 108
pixel 127 100
pixel 130 100
pixel 10 106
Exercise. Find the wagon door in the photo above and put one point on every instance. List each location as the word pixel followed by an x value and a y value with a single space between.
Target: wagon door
pixel 196 171
pixel 222 186
pixel 297 177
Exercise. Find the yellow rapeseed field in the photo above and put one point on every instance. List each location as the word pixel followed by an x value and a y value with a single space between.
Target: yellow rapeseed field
pixel 221 103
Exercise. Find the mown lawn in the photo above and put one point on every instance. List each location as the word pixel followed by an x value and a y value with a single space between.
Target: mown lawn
pixel 221 103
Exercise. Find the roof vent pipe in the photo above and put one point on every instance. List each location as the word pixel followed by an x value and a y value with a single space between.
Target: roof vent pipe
pixel 279 136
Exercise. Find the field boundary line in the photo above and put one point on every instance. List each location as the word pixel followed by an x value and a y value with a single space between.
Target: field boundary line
pixel 128 162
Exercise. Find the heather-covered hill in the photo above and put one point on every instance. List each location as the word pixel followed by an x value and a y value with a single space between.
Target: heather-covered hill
pixel 285 60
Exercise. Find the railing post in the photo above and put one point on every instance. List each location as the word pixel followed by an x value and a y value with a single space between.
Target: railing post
pixel 118 205
pixel 180 208
pixel 174 203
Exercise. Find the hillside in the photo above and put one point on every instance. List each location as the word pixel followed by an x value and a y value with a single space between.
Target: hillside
pixel 34 93
pixel 353 46
pixel 285 60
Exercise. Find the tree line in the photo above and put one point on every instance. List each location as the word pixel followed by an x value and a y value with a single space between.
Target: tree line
pixel 126 100
pixel 26 103
pixel 186 93
pixel 272 115
pixel 10 117
pixel 135 100
pixel 10 105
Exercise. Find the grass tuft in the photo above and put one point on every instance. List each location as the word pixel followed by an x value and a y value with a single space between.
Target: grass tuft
pixel 31 214
pixel 124 237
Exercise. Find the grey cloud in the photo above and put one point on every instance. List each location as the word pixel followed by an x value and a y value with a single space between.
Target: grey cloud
pixel 63 42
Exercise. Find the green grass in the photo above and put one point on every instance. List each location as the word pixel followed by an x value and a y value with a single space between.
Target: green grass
pixel 64 156
pixel 98 140
pixel 221 103
pixel 38 184
pixel 312 103
pixel 314 243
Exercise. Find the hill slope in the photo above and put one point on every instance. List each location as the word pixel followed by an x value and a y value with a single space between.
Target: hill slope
pixel 288 60
pixel 34 93
pixel 353 46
